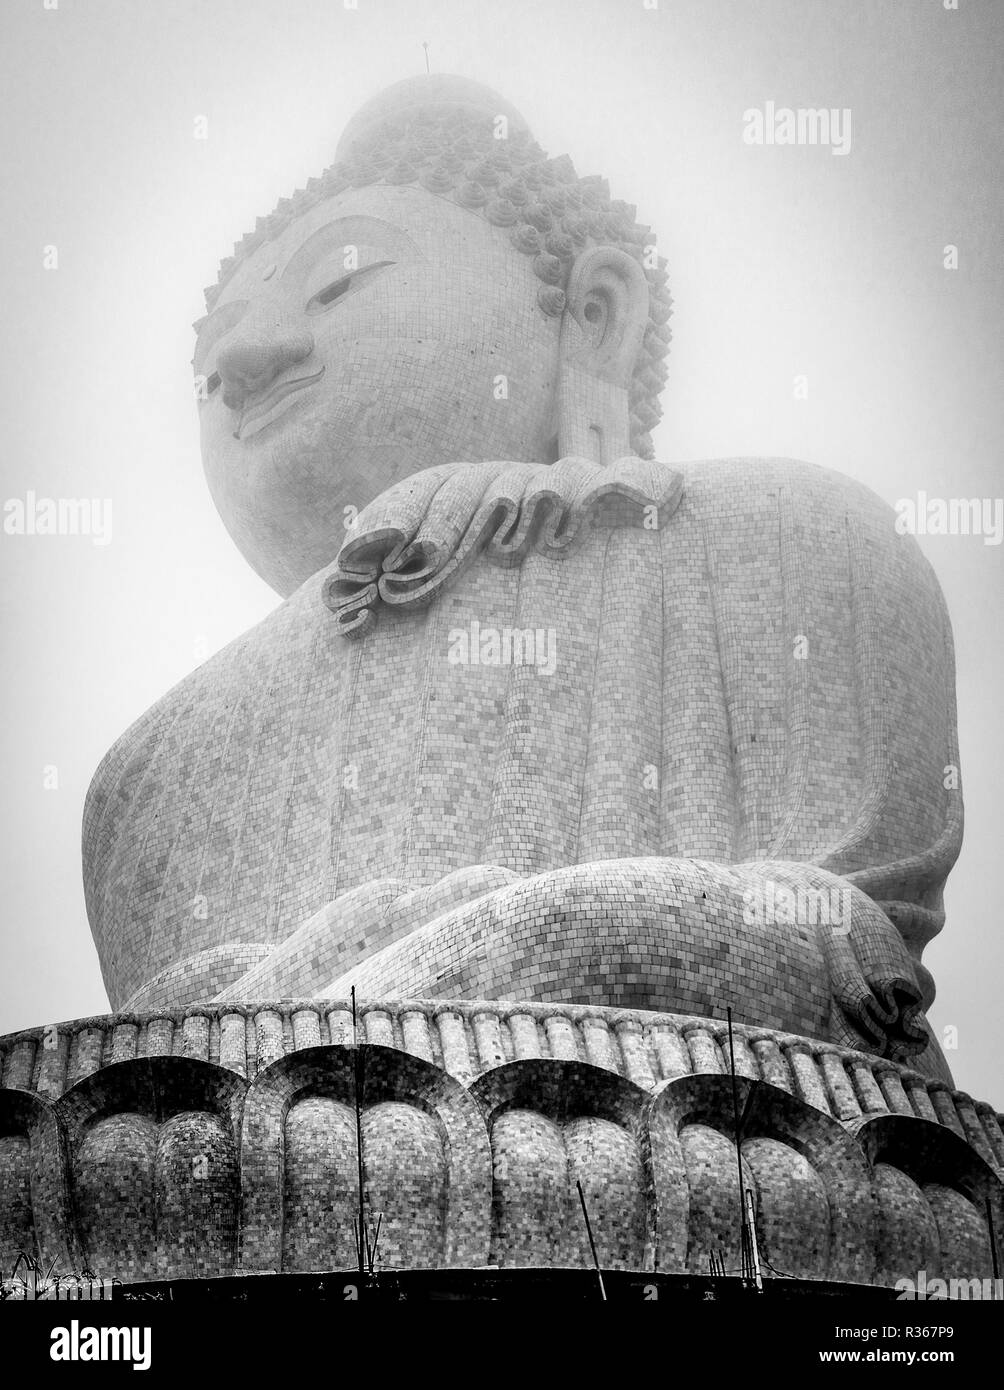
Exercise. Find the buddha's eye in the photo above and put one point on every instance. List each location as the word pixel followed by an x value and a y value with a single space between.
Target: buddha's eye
pixel 330 294
pixel 212 383
pixel 344 286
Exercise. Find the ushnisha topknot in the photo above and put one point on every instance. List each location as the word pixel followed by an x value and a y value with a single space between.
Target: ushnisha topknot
pixel 462 142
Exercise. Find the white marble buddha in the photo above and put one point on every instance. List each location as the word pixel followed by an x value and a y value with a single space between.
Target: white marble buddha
pixel 539 717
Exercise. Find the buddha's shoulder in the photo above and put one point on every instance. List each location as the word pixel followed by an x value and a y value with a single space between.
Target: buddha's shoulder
pixel 730 484
pixel 745 499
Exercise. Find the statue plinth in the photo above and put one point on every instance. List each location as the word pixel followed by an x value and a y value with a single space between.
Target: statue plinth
pixel 220 1139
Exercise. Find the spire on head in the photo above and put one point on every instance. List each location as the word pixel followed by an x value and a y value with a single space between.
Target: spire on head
pixel 464 142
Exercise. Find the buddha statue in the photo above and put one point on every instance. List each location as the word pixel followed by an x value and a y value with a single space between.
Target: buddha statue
pixel 540 716
pixel 422 904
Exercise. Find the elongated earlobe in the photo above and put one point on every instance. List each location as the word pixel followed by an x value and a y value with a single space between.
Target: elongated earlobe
pixel 601 335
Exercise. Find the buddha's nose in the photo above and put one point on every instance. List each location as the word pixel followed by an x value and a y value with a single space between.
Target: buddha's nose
pixel 255 356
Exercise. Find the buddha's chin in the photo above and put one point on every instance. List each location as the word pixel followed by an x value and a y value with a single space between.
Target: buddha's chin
pixel 290 528
pixel 288 493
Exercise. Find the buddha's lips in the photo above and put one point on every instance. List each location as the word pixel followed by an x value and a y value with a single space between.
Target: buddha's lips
pixel 262 412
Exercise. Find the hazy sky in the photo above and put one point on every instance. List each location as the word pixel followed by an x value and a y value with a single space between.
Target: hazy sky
pixel 784 261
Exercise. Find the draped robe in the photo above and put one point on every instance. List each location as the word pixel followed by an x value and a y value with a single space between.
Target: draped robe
pixel 752 683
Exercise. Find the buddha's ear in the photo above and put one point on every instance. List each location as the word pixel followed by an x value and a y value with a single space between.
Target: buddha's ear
pixel 606 311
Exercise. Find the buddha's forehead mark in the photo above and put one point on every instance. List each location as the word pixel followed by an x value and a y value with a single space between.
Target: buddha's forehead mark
pixel 354 230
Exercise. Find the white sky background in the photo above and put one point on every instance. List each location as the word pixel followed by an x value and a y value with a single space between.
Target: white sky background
pixel 783 261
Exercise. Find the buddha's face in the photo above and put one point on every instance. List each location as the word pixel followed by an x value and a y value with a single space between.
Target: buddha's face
pixel 386 330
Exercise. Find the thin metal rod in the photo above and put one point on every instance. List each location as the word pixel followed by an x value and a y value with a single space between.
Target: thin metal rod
pixel 357 1089
pixel 592 1243
pixel 739 1156
pixel 993 1240
pixel 754 1249
pixel 750 1101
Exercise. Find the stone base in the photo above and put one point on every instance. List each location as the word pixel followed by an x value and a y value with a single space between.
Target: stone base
pixel 221 1140
pixel 492 1285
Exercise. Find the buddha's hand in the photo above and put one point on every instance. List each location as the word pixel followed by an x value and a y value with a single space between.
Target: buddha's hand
pixel 419 536
pixel 877 1000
